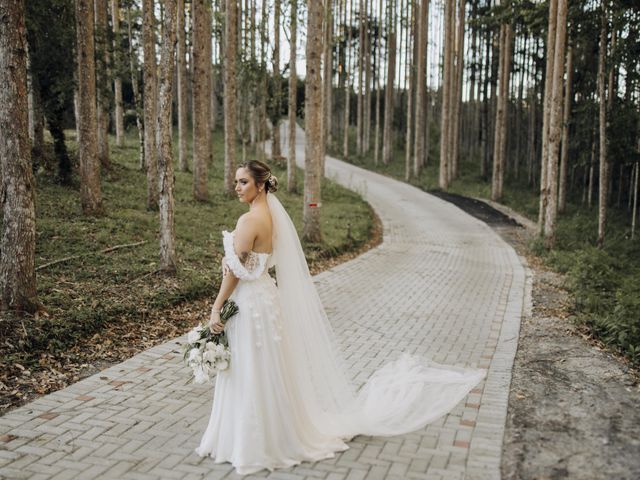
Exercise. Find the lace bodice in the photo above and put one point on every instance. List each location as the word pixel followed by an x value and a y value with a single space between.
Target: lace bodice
pixel 254 266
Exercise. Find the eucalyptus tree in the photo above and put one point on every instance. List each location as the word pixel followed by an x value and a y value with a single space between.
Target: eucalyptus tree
pixel 165 129
pixel 90 191
pixel 17 187
pixel 311 231
pixel 150 97
pixel 201 10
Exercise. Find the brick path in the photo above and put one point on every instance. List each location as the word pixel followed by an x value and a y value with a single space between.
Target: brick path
pixel 442 284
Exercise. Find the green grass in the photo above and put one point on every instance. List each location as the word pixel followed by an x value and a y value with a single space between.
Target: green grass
pixel 95 289
pixel 605 282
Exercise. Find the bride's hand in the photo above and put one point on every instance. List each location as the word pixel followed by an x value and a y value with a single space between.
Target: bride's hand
pixel 215 325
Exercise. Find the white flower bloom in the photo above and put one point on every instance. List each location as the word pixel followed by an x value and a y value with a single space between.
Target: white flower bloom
pixel 209 356
pixel 220 349
pixel 222 365
pixel 210 345
pixel 194 335
pixel 194 356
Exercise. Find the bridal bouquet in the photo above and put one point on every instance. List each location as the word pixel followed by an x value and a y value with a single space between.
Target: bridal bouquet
pixel 207 353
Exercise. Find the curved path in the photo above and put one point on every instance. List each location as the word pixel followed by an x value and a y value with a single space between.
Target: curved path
pixel 442 284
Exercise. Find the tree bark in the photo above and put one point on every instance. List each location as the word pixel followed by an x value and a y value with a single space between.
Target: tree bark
pixel 500 141
pixel 447 83
pixel 183 125
pixel 359 91
pixel 410 106
pixel 90 193
pixel 564 155
pixel 634 211
pixel 293 91
pixel 133 71
pixel 275 145
pixel 150 102
pixel 457 97
pixel 328 75
pixel 376 142
pixel 117 81
pixel 602 130
pixel 102 81
pixel 546 107
pixel 387 140
pixel 201 96
pixel 230 53
pixel 422 26
pixel 366 109
pixel 347 84
pixel 18 241
pixel 555 126
pixel 313 124
pixel 166 178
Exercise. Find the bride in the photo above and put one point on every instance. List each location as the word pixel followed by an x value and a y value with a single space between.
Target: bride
pixel 286 397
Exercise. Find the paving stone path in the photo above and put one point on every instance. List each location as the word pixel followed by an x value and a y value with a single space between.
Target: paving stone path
pixel 442 284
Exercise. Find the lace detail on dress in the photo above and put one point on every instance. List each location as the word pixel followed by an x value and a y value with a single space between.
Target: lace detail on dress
pixel 252 268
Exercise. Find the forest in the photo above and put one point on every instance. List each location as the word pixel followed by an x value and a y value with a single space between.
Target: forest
pixel 533 104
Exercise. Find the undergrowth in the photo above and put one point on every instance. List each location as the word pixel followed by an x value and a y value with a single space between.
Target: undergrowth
pixel 91 289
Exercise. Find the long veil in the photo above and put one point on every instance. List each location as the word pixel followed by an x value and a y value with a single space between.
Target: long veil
pixel 402 396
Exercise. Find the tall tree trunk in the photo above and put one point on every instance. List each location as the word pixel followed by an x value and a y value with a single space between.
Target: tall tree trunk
pixel 422 26
pixel 102 81
pixel 359 91
pixel 366 114
pixel 602 129
pixel 564 154
pixel 546 108
pixel 500 141
pixel 387 140
pixel 36 120
pixel 166 178
pixel 378 83
pixel 634 211
pixel 457 97
pixel 183 125
pixel 484 128
pixel 447 83
pixel 201 96
pixel 410 107
pixel 230 54
pixel 117 80
pixel 293 94
pixel 555 126
pixel 90 192
pixel 150 102
pixel 18 241
pixel 328 75
pixel 133 72
pixel 347 84
pixel 313 124
pixel 275 145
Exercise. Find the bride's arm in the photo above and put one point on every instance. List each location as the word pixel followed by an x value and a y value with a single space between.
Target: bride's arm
pixel 244 238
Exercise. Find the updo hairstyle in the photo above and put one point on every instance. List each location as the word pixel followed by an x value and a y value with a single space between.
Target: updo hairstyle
pixel 261 173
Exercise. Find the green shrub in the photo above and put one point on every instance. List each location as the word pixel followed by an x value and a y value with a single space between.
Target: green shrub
pixel 594 280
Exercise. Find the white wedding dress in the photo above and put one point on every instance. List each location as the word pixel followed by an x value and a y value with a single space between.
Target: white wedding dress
pixel 286 397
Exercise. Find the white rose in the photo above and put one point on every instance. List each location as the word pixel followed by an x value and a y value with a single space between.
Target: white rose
pixel 194 335
pixel 220 350
pixel 209 356
pixel 222 365
pixel 194 356
pixel 210 345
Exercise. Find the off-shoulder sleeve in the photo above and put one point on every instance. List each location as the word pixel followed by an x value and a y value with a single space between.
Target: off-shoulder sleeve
pixel 251 269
